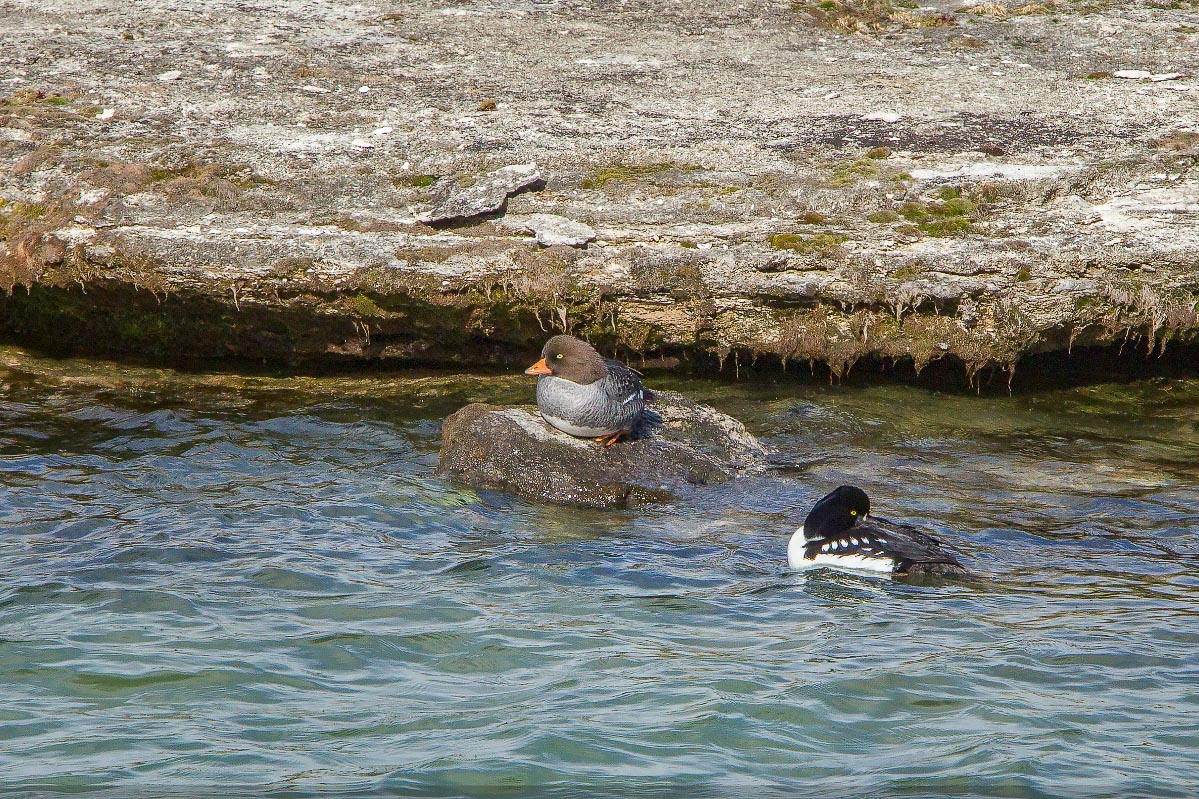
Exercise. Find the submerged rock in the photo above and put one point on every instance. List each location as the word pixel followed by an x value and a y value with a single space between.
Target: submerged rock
pixel 679 445
pixel 485 196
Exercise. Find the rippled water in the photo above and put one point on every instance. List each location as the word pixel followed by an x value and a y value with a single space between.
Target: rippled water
pixel 215 585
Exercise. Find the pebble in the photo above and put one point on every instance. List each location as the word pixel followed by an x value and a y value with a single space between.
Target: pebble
pixel 881 116
pixel 106 114
pixel 171 74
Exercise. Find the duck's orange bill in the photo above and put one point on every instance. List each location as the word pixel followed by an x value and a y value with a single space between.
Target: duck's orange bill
pixel 539 368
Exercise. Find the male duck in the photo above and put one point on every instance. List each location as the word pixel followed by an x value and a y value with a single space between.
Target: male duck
pixel 840 533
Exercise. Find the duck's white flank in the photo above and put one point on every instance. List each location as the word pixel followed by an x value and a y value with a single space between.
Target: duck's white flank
pixel 851 562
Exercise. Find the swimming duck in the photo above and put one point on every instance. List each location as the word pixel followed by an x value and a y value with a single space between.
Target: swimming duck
pixel 840 533
pixel 585 395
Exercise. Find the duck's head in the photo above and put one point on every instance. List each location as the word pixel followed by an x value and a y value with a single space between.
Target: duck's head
pixel 841 509
pixel 570 359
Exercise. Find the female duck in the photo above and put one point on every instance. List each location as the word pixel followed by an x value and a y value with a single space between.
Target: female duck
pixel 840 533
pixel 585 395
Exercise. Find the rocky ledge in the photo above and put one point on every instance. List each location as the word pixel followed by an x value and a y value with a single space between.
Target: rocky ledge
pixel 756 182
pixel 679 445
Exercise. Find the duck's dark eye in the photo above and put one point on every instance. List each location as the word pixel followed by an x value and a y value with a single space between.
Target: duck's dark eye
pixel 558 356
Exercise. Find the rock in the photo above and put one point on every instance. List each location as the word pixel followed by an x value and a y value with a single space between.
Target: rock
pixel 336 269
pixel 680 445
pixel 171 74
pixel 1015 172
pixel 551 229
pixel 1141 74
pixel 485 196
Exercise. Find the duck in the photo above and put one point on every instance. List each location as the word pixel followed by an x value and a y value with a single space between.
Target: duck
pixel 586 395
pixel 840 533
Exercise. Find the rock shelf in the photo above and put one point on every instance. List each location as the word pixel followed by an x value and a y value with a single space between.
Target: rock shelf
pixel 292 181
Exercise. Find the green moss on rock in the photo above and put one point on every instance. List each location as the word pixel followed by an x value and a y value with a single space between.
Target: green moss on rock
pixel 816 243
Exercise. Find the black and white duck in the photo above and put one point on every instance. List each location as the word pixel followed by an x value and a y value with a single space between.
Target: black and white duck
pixel 840 533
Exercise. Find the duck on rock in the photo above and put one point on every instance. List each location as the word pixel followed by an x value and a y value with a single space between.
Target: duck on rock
pixel 586 395
pixel 840 533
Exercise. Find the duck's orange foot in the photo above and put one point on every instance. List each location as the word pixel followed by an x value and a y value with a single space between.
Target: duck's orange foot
pixel 608 441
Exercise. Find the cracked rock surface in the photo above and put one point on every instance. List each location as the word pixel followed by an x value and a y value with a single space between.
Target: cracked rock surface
pixel 764 180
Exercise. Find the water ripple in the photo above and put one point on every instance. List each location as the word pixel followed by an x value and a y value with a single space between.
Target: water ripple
pixel 203 581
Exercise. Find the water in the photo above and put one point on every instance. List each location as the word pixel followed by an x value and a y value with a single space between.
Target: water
pixel 219 585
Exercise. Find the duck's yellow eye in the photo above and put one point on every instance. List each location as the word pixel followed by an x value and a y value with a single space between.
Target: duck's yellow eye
pixel 853 513
pixel 558 356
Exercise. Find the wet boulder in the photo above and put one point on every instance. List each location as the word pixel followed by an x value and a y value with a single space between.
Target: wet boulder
pixel 679 445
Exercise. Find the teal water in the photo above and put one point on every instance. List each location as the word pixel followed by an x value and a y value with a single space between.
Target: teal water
pixel 248 585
